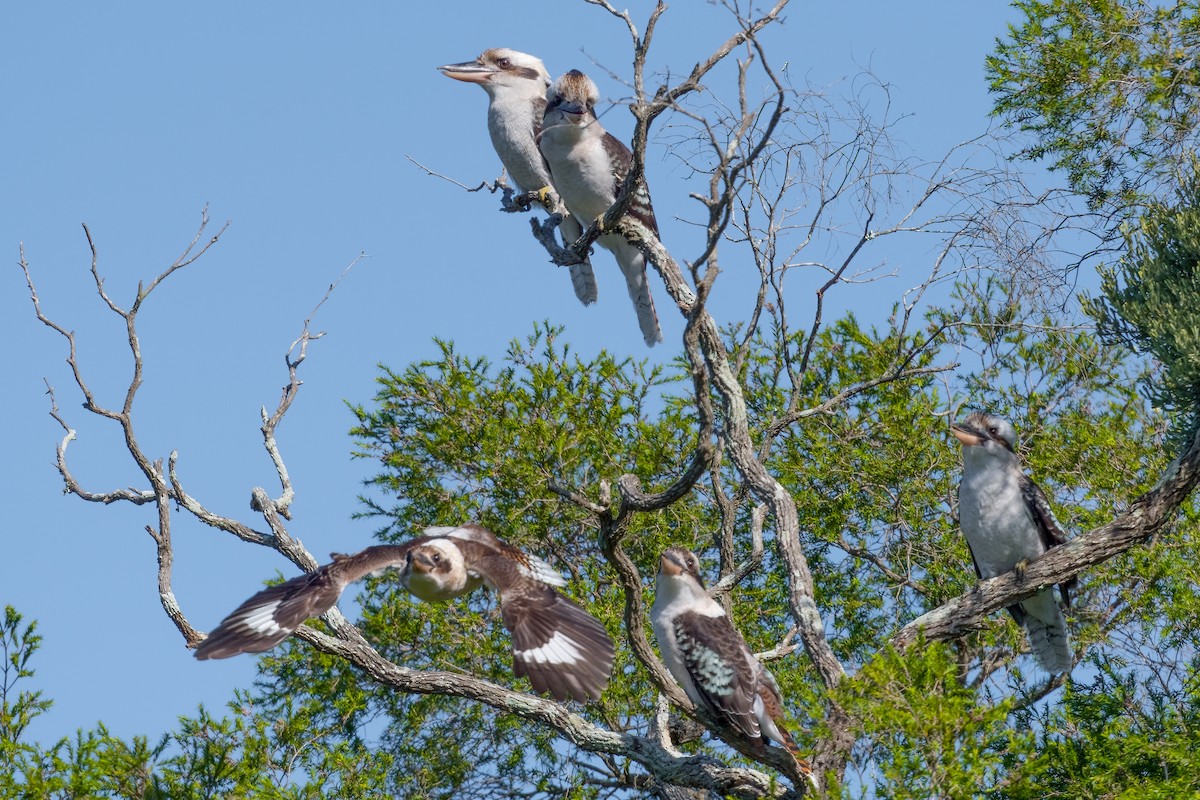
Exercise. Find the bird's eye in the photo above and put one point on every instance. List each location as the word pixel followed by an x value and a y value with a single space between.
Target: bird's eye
pixel 504 63
pixel 993 430
pixel 437 558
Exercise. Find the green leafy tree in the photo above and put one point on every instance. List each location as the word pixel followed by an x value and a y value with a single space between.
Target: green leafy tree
pixel 1108 90
pixel 255 752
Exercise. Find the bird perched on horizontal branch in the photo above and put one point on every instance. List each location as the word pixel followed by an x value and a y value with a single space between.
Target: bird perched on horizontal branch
pixel 710 659
pixel 1007 522
pixel 563 650
pixel 516 84
pixel 589 166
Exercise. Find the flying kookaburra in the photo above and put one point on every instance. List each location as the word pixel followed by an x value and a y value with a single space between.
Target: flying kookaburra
pixel 1007 522
pixel 516 87
pixel 562 649
pixel 589 166
pixel 711 660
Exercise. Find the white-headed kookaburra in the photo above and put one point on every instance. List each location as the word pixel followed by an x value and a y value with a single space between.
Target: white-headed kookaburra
pixel 710 659
pixel 1007 522
pixel 562 649
pixel 516 87
pixel 589 166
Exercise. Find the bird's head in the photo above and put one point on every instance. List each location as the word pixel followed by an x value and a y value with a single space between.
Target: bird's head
pixel 982 432
pixel 680 563
pixel 500 68
pixel 574 97
pixel 433 558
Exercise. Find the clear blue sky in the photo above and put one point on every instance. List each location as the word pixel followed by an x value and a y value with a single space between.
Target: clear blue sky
pixel 294 122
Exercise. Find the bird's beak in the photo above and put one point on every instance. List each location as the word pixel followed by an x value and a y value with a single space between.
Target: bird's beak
pixel 967 435
pixel 670 565
pixel 574 109
pixel 468 71
pixel 421 562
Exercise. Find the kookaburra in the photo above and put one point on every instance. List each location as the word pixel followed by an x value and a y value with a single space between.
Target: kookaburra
pixel 516 87
pixel 589 166
pixel 1007 522
pixel 710 659
pixel 562 649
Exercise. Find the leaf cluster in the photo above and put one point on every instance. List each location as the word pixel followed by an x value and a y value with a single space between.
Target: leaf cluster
pixel 1108 90
pixel 1150 302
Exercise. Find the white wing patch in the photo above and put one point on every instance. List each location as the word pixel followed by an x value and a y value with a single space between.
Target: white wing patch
pixel 558 650
pixel 262 620
pixel 541 571
pixel 453 531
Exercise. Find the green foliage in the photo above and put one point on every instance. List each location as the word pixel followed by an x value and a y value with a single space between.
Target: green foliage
pixel 462 439
pixel 1108 89
pixel 928 734
pixel 459 438
pixel 1150 302
pixel 17 709
pixel 1126 738
pixel 256 752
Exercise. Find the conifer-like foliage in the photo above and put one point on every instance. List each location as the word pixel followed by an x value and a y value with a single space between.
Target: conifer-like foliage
pixel 1150 301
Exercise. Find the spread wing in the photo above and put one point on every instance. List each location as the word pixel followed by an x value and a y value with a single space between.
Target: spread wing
pixel 716 659
pixel 563 650
pixel 477 544
pixel 270 616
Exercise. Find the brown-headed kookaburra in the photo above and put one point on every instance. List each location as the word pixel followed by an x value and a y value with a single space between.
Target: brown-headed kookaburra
pixel 562 649
pixel 589 166
pixel 711 660
pixel 1007 522
pixel 516 87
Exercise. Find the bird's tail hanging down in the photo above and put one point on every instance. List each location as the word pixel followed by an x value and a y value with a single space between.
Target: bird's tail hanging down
pixel 1047 632
pixel 770 702
pixel 633 266
pixel 583 280
pixel 802 765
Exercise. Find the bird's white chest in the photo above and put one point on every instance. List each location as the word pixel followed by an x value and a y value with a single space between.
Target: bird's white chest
pixel 581 169
pixel 434 587
pixel 663 614
pixel 996 521
pixel 511 126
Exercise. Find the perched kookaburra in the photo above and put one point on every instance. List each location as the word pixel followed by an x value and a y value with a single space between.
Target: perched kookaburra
pixel 1007 522
pixel 589 166
pixel 561 648
pixel 711 660
pixel 516 87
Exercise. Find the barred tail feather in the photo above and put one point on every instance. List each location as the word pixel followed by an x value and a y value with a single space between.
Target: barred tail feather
pixel 802 765
pixel 1047 629
pixel 633 266
pixel 770 713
